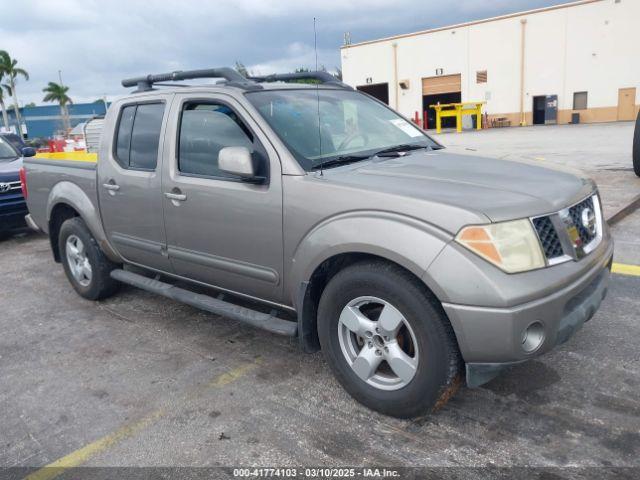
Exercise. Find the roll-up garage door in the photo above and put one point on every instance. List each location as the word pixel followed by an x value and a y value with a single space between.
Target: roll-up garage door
pixel 441 84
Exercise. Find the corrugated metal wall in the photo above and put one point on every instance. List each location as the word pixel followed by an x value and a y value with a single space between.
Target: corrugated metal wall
pixel 43 121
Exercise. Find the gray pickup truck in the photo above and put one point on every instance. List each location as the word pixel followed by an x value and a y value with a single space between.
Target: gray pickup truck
pixel 315 211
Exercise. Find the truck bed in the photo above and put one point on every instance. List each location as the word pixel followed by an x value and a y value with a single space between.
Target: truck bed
pixel 45 175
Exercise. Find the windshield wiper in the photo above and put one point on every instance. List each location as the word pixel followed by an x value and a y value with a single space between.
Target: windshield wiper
pixel 400 148
pixel 341 160
pixel 391 151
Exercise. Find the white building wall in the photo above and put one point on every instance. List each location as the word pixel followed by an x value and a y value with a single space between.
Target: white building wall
pixel 603 53
pixel 496 49
pixel 583 47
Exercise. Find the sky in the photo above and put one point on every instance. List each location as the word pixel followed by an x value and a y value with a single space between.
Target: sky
pixel 97 43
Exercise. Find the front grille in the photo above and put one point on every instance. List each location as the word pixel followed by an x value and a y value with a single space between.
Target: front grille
pixel 565 236
pixel 12 188
pixel 576 215
pixel 548 237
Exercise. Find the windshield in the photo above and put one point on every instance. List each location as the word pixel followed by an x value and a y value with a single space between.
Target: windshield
pixel 6 150
pixel 352 125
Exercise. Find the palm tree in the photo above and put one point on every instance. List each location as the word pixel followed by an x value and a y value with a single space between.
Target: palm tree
pixel 5 117
pixel 56 92
pixel 8 67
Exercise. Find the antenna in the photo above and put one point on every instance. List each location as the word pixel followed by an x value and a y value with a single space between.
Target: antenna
pixel 315 47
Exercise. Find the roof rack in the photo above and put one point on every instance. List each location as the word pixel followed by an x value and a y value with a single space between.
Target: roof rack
pixel 233 78
pixel 323 77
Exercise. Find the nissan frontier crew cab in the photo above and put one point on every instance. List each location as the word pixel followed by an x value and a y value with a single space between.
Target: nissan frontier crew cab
pixel 315 211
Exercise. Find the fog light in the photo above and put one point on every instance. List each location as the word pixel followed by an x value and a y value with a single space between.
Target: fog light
pixel 532 337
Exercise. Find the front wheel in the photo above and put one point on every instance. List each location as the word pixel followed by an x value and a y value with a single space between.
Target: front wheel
pixel 86 267
pixel 387 340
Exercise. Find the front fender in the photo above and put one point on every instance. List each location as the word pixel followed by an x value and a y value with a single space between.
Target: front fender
pixel 408 242
pixel 70 194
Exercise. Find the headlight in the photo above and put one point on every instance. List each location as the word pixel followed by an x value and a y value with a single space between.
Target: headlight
pixel 512 246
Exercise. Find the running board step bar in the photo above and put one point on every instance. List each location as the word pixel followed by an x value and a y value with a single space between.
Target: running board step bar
pixel 254 318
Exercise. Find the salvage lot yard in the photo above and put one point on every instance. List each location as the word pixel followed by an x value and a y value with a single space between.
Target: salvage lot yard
pixel 141 380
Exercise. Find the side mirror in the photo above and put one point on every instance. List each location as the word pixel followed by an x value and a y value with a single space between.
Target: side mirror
pixel 28 151
pixel 238 161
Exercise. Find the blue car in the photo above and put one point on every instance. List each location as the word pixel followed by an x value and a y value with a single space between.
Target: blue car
pixel 13 207
pixel 13 139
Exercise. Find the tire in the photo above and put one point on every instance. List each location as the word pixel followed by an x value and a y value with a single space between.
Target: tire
pixel 94 282
pixel 636 147
pixel 430 367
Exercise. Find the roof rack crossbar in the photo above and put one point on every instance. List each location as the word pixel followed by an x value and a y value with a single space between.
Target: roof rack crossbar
pixel 146 83
pixel 322 77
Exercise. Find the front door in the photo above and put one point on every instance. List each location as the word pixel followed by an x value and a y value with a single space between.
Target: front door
pixel 627 104
pixel 221 230
pixel 129 181
pixel 539 106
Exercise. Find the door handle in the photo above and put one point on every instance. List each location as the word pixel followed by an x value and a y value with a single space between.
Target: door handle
pixel 180 197
pixel 112 187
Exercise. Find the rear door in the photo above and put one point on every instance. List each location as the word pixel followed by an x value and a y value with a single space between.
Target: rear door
pixel 129 181
pixel 627 103
pixel 221 230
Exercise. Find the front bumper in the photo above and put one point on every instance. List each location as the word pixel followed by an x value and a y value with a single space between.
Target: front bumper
pixel 491 338
pixel 12 217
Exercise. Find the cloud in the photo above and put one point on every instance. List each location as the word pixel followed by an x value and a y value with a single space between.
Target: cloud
pixel 97 43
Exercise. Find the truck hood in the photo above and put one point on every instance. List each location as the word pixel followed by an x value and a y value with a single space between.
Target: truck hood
pixel 9 168
pixel 499 189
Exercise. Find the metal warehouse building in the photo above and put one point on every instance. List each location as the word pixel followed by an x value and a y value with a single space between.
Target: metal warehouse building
pixel 534 67
pixel 45 120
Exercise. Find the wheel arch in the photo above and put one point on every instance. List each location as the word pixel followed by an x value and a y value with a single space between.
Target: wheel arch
pixel 67 200
pixel 311 290
pixel 60 213
pixel 339 242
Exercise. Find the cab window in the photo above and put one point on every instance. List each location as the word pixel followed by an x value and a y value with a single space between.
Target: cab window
pixel 205 129
pixel 138 136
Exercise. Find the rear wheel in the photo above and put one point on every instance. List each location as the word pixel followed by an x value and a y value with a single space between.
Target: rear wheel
pixel 636 147
pixel 87 268
pixel 387 340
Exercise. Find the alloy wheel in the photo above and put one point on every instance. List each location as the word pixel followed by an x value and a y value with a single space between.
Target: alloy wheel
pixel 78 261
pixel 378 343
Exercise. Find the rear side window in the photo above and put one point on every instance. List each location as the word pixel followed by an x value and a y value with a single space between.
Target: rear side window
pixel 123 142
pixel 139 136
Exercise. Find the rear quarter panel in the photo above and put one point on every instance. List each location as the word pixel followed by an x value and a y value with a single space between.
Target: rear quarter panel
pixel 52 182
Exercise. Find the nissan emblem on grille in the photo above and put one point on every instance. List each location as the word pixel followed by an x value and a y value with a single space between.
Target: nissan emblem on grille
pixel 5 187
pixel 588 218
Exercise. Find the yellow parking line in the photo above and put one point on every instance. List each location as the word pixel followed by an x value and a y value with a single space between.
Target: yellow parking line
pixel 624 269
pixel 232 375
pixel 77 458
pixel 80 456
